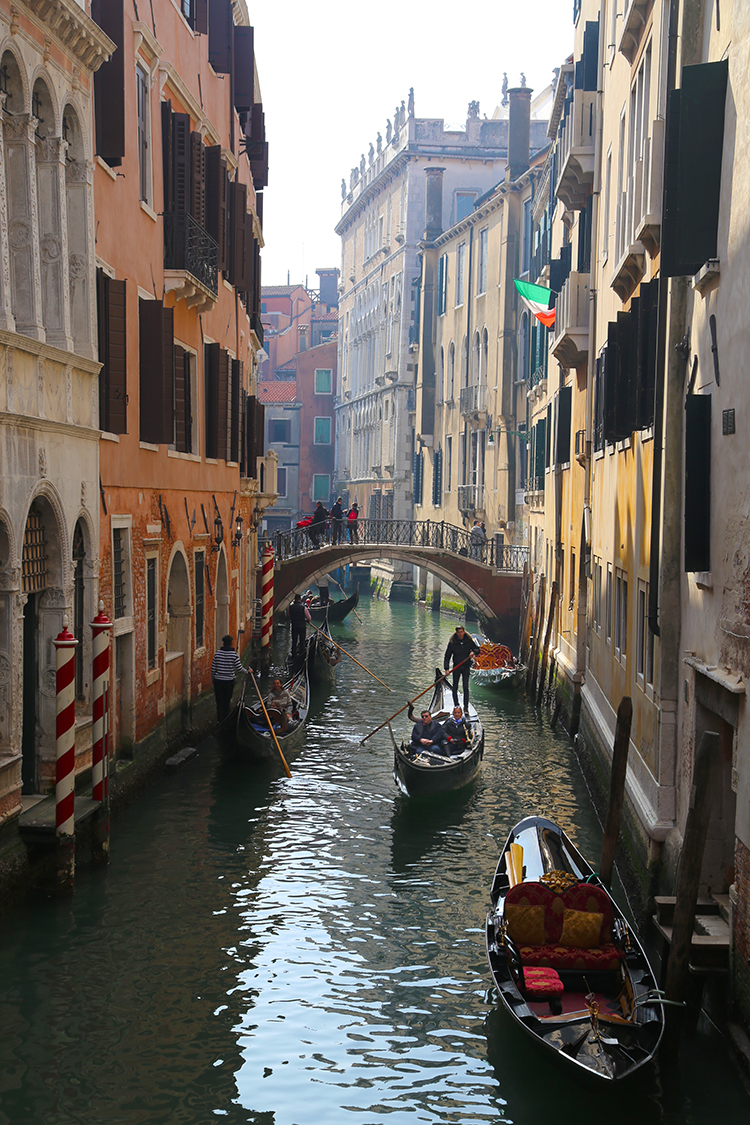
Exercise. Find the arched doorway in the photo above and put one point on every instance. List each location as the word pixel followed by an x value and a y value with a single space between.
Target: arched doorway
pixel 222 599
pixel 179 617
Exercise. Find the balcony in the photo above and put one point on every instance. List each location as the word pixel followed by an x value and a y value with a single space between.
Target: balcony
pixel 634 20
pixel 191 261
pixel 257 327
pixel 570 344
pixel 471 497
pixel 473 402
pixel 638 229
pixel 575 149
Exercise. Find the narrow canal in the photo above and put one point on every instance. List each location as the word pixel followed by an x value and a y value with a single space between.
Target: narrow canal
pixel 311 950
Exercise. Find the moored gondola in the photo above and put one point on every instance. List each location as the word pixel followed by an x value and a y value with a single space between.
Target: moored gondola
pixel 322 655
pixel 246 728
pixel 334 610
pixel 566 964
pixel 496 667
pixel 424 773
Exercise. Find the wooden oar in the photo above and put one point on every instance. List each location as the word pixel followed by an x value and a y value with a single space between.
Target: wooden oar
pixel 343 591
pixel 330 638
pixel 410 702
pixel 270 724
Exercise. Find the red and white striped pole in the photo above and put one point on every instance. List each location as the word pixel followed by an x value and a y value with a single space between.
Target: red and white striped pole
pixel 100 628
pixel 266 602
pixel 65 757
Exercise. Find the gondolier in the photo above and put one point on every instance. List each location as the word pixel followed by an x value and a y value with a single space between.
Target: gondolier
pixel 460 647
pixel 225 666
pixel 299 615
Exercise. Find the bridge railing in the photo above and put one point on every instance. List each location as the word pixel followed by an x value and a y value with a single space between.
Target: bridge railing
pixel 402 533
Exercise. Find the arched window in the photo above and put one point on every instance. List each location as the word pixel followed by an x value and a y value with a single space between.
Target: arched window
pixel 79 245
pixel 440 377
pixel 475 368
pixel 452 370
pixel 51 154
pixel 485 356
pixel 523 349
pixel 465 361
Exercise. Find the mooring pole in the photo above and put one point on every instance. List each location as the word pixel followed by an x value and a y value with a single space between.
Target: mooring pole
pixel 266 607
pixel 688 882
pixel 616 788
pixel 548 631
pixel 65 756
pixel 534 647
pixel 100 628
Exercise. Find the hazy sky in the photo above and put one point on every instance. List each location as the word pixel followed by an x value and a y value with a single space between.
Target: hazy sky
pixel 332 74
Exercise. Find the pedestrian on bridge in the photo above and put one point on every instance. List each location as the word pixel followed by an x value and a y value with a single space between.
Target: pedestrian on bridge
pixel 477 538
pixel 318 525
pixel 337 515
pixel 461 646
pixel 353 521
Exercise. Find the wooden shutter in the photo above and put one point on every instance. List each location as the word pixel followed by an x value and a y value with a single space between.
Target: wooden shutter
pixel 216 199
pixel 250 436
pixel 564 406
pixel 238 249
pixel 167 155
pixel 156 372
pixel 243 432
pixel 646 362
pixel 621 374
pixel 695 140
pixel 541 441
pixel 181 161
pixel 201 16
pixel 113 399
pixel 109 84
pixel 180 412
pixel 197 179
pixel 234 429
pixel 220 39
pixel 609 379
pixel 222 439
pixel 698 482
pixel 211 398
pixel 244 69
pixel 257 292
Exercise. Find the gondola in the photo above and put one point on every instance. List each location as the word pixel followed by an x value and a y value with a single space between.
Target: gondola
pixel 246 728
pixel 421 773
pixel 322 655
pixel 334 610
pixel 566 964
pixel 500 668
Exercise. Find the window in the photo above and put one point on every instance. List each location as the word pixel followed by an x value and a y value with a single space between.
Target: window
pixel 156 372
pixel 621 612
pixel 697 483
pixel 321 487
pixel 185 391
pixel 418 476
pixel 607 191
pixel 564 405
pixel 464 204
pixel 640 656
pixel 151 612
pixel 442 285
pixel 597 596
pixel 113 379
pixel 323 381
pixel 322 431
pixel 460 268
pixel 482 264
pixel 437 478
pixel 440 379
pixel 143 121
pixel 119 548
pixel 279 431
pixel 448 462
pixel 608 605
pixel 451 372
pixel 200 597
pixel 281 481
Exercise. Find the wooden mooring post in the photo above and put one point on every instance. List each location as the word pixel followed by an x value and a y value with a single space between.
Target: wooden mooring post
pixel 616 788
pixel 534 647
pixel 545 649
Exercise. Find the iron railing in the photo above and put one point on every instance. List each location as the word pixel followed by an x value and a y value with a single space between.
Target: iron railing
pixel 187 246
pixel 471 497
pixel 404 533
pixel 473 400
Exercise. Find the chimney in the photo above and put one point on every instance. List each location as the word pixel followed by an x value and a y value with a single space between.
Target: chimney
pixel 302 337
pixel 433 203
pixel 329 287
pixel 519 126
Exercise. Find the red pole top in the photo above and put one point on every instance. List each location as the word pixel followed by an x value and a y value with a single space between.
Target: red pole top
pixel 268 550
pixel 101 618
pixel 64 638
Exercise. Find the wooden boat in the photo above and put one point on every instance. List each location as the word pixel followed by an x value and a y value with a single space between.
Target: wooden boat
pixel 322 655
pixel 246 727
pixel 565 962
pixel 334 610
pixel 421 773
pixel 496 666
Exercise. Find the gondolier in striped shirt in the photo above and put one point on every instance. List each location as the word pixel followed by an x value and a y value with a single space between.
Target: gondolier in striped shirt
pixel 225 665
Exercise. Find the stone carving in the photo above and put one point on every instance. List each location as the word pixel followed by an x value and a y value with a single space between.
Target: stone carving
pixel 354 176
pixel 362 165
pixel 371 153
pixel 42 462
pixel 343 189
pixel 53 597
pixel 14 14
pixel 523 80
pixel 77 266
pixel 84 495
pixel 50 248
pixel 20 233
pixel 40 385
pixel 473 110
pixel 18 126
pixel 505 89
pixel 50 150
pixel 49 685
pixel 379 143
pixel 4 669
pixel 69 394
pixel 411 101
pixel 77 171
pixel 388 131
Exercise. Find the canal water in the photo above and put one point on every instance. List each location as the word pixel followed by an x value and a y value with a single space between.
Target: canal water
pixel 264 950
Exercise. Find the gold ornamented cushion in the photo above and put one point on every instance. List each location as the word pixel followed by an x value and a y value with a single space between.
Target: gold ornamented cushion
pixel 581 929
pixel 525 924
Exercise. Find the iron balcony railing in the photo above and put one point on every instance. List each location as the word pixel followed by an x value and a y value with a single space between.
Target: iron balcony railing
pixel 405 533
pixel 471 497
pixel 187 246
pixel 473 400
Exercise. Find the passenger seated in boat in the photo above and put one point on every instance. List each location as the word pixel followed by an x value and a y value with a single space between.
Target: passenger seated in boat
pixel 280 701
pixel 428 735
pixel 457 732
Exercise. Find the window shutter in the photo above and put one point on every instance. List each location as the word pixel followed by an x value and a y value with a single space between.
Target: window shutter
pixel 222 429
pixel 564 405
pixel 238 249
pixel 197 179
pixel 243 432
pixel 621 376
pixel 110 294
pixel 698 482
pixel 167 155
pixel 201 17
pixel 181 161
pixel 646 363
pixel 109 84
pixel 609 379
pixel 234 434
pixel 695 140
pixel 216 199
pixel 437 478
pixel 211 384
pixel 244 69
pixel 220 38
pixel 180 406
pixel 156 363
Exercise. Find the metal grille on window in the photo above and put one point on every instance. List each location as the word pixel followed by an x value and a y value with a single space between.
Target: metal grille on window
pixel 199 597
pixel 34 560
pixel 118 572
pixel 151 612
pixel 79 554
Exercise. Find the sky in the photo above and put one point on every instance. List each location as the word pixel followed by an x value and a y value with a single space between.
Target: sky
pixel 331 75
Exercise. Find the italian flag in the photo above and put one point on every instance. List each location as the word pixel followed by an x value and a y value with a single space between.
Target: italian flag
pixel 538 300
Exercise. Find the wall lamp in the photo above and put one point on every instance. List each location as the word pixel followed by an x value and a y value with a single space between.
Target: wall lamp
pixel 238 530
pixel 256 516
pixel 218 533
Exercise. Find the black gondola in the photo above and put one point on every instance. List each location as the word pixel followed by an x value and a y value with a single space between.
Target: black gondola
pixel 334 610
pixel 421 773
pixel 322 655
pixel 565 962
pixel 246 727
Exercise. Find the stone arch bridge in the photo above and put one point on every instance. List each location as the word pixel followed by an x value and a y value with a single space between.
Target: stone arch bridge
pixel 490 576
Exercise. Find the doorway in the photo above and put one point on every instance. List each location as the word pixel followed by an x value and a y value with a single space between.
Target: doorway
pixel 29 763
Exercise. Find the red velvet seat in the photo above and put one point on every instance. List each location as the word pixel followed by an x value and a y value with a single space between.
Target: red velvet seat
pixel 583 898
pixel 542 982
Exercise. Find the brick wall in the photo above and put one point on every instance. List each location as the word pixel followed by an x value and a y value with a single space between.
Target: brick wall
pixel 741 951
